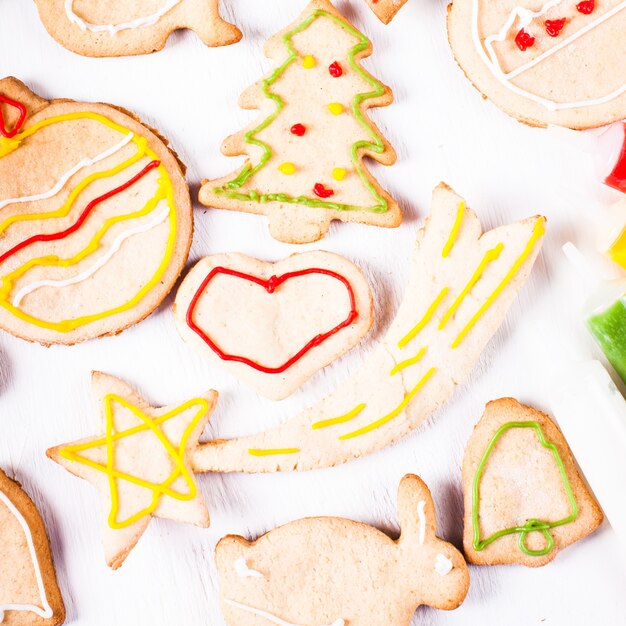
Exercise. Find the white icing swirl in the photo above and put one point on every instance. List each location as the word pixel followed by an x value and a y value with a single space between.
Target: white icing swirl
pixel 443 565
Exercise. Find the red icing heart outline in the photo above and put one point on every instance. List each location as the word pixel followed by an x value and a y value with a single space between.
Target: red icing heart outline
pixel 9 134
pixel 270 285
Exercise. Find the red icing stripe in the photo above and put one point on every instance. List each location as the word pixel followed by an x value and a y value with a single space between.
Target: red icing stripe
pixel 20 121
pixel 270 285
pixel 84 215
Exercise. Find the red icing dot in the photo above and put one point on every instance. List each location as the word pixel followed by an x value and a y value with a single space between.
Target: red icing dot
pixel 586 7
pixel 321 192
pixel 298 129
pixel 524 40
pixel 335 69
pixel 554 27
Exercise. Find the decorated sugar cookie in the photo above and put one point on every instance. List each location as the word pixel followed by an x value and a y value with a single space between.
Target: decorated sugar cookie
pixel 305 156
pixel 336 572
pixel 29 594
pixel 545 62
pixel 524 498
pixel 273 325
pixel 95 218
pixel 124 27
pixel 461 285
pixel 385 10
pixel 140 464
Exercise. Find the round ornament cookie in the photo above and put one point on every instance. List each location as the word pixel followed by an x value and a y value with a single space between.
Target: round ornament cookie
pixel 111 28
pixel 544 62
pixel 95 218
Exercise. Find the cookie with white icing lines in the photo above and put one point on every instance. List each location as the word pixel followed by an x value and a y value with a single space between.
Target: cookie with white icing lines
pixel 95 218
pixel 385 10
pixel 140 464
pixel 462 282
pixel 29 593
pixel 273 325
pixel 524 498
pixel 111 28
pixel 337 572
pixel 557 62
pixel 305 157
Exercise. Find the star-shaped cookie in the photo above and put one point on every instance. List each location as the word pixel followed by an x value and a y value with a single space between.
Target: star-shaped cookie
pixel 140 465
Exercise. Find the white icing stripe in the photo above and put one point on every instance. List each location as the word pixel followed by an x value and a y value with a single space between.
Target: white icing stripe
pixel 61 183
pixel 443 565
pixel 242 569
pixel 45 610
pixel 525 16
pixel 102 261
pixel 268 616
pixel 140 22
pixel 421 505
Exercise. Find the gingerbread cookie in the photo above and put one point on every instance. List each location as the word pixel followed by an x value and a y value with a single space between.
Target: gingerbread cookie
pixel 305 157
pixel 524 498
pixel 552 62
pixel 385 10
pixel 118 28
pixel 273 325
pixel 461 285
pixel 29 594
pixel 95 218
pixel 140 465
pixel 334 571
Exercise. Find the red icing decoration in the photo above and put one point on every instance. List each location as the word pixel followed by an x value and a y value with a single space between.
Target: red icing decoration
pixel 84 215
pixel 617 178
pixel 586 7
pixel 335 69
pixel 16 129
pixel 321 192
pixel 270 285
pixel 524 40
pixel 298 129
pixel 554 27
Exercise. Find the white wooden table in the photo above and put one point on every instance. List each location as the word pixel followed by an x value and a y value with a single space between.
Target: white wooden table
pixel 442 130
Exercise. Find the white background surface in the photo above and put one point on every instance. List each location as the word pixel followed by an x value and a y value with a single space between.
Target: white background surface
pixel 442 130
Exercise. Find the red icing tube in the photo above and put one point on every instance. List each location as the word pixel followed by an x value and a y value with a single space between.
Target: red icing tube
pixel 270 285
pixel 9 134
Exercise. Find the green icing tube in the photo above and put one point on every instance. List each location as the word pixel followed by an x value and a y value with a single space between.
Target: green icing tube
pixel 608 327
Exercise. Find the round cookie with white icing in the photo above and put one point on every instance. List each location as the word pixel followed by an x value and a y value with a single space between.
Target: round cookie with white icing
pixel 95 218
pixel 545 62
pixel 29 594
pixel 108 28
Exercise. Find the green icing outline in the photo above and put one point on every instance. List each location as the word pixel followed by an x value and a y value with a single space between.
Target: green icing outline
pixel 532 525
pixel 376 145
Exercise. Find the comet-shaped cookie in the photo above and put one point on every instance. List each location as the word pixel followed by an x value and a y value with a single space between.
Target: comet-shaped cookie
pixel 461 285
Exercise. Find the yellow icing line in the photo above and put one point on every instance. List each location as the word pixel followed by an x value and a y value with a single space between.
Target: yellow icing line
pixel 339 420
pixel 397 411
pixel 538 232
pixel 427 317
pixel 490 256
pixel 408 362
pixel 455 230
pixel 149 424
pixel 258 452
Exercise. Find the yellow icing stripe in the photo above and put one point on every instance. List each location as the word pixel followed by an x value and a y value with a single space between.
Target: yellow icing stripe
pixel 408 362
pixel 273 452
pixel 538 232
pixel 72 453
pixel 490 256
pixel 339 420
pixel 397 411
pixel 455 230
pixel 427 317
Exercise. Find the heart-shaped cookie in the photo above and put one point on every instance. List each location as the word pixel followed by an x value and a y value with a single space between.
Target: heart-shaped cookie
pixel 273 325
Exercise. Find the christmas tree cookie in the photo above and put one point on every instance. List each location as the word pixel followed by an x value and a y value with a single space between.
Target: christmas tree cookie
pixel 305 157
pixel 140 464
pixel 524 498
pixel 109 29
pixel 95 218
pixel 29 594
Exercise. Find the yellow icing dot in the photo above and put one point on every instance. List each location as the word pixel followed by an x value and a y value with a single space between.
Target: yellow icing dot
pixel 339 173
pixel 287 168
pixel 308 62
pixel 335 108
